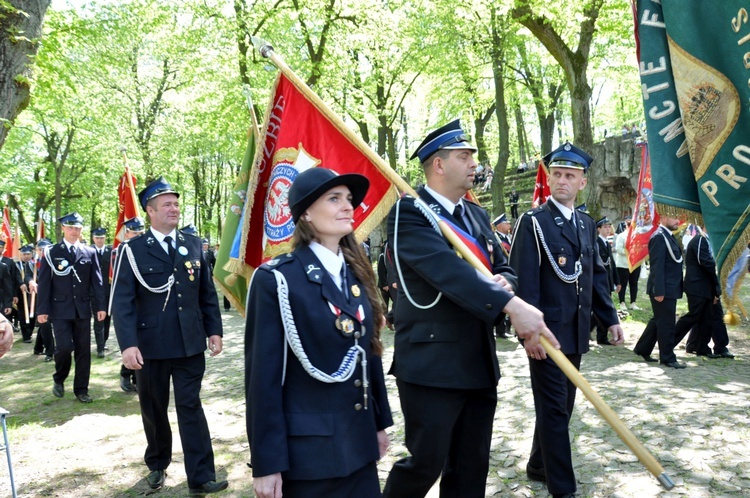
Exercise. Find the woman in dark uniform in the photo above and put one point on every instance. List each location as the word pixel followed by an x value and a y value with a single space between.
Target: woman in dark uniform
pixel 317 407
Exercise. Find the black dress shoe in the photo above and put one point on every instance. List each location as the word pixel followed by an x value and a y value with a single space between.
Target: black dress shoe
pixel 100 354
pixel 674 364
pixel 48 358
pixel 209 487
pixel 84 398
pixel 156 478
pixel 723 354
pixel 126 385
pixel 647 358
pixel 58 390
pixel 536 474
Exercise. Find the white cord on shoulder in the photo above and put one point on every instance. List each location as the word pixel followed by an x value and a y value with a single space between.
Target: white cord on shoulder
pixel 558 271
pixel 669 248
pixel 424 209
pixel 348 363
pixel 167 287
pixel 63 273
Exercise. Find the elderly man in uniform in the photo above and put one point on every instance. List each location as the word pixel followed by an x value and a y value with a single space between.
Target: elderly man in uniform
pixel 69 279
pixel 444 353
pixel 554 250
pixel 104 255
pixel 165 309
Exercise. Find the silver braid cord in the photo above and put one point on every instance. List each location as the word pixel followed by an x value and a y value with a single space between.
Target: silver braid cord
pixel 63 273
pixel 348 363
pixel 669 248
pixel 425 210
pixel 167 287
pixel 558 271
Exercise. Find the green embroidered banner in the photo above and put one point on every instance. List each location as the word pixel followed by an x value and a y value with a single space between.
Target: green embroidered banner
pixel 706 48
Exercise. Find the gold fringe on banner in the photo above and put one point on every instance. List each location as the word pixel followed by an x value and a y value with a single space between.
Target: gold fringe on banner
pixel 685 215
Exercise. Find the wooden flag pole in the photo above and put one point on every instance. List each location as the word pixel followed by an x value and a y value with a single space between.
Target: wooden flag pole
pixel 646 458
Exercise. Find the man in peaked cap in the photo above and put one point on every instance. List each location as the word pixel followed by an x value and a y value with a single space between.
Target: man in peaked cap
pixel 163 318
pixel 104 255
pixel 133 227
pixel 70 278
pixel 189 229
pixel 444 360
pixel 604 248
pixel 25 271
pixel 563 277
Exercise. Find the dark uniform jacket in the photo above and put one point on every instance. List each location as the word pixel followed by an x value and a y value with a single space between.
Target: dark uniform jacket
pixel 104 262
pixel 700 269
pixel 665 274
pixel 6 286
pixel 302 427
pixel 449 344
pixel 567 307
pixel 65 297
pixel 605 254
pixel 191 314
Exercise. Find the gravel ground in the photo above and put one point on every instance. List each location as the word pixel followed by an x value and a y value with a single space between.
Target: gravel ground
pixel 694 421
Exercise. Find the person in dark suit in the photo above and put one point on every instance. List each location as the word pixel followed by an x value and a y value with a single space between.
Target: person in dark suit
pixel 444 359
pixel 164 308
pixel 14 281
pixel 69 279
pixel 316 395
pixel 703 293
pixel 664 287
pixel 209 255
pixel 554 251
pixel 504 238
pixel 7 282
pixel 133 227
pixel 25 271
pixel 45 342
pixel 104 255
pixel 604 249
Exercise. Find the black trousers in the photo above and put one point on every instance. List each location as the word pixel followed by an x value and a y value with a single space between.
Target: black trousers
pixel 660 328
pixel 73 338
pixel 554 398
pixel 628 279
pixel 153 393
pixel 101 332
pixel 448 432
pixel 45 343
pixel 699 339
pixel 699 314
pixel 363 483
pixel 27 327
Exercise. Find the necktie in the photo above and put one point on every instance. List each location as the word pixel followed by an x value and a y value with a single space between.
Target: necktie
pixel 344 288
pixel 73 251
pixel 460 216
pixel 170 248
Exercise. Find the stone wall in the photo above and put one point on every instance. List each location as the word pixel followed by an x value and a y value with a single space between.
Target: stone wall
pixel 613 179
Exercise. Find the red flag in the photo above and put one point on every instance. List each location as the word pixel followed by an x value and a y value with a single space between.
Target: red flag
pixel 6 234
pixel 297 135
pixel 541 188
pixel 128 204
pixel 645 218
pixel 17 244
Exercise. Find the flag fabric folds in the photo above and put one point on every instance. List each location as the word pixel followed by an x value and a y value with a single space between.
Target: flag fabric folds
pixel 645 217
pixel 231 272
pixel 541 187
pixel 695 90
pixel 6 234
pixel 298 135
pixel 128 204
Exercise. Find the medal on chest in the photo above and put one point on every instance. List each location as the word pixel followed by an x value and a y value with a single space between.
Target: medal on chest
pixel 344 323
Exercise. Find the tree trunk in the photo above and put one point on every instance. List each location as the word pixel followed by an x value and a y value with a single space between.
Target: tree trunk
pixel 20 31
pixel 501 110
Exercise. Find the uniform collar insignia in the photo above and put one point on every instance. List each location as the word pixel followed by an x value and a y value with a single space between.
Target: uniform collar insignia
pixel 435 207
pixel 314 274
pixel 558 221
pixel 150 241
pixel 180 237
